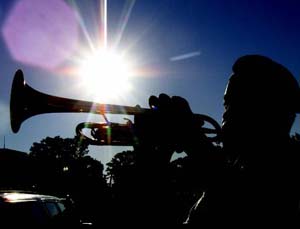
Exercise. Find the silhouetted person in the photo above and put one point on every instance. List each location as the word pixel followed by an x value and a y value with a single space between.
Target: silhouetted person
pixel 259 181
pixel 253 179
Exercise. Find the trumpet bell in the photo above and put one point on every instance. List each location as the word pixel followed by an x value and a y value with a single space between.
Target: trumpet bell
pixel 17 103
pixel 25 102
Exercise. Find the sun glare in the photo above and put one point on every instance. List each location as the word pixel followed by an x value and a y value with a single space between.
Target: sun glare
pixel 105 75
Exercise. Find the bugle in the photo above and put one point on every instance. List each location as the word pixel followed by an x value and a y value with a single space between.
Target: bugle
pixel 26 102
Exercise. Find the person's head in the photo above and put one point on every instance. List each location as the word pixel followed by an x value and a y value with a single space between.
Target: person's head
pixel 261 101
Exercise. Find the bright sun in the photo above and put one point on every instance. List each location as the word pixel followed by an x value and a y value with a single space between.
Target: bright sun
pixel 105 75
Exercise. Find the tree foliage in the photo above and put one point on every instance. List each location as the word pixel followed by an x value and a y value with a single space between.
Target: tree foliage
pixel 59 148
pixel 121 167
pixel 62 164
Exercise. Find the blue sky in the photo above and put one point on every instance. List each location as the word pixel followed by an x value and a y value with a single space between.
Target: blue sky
pixel 180 47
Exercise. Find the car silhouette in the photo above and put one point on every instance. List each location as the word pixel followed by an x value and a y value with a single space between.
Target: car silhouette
pixel 25 209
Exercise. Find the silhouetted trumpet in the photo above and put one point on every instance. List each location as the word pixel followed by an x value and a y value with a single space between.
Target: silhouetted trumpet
pixel 26 102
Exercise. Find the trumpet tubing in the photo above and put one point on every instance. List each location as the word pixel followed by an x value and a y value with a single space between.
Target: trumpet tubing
pixel 26 102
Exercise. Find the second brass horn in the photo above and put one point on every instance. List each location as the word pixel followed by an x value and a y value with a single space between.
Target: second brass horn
pixel 26 102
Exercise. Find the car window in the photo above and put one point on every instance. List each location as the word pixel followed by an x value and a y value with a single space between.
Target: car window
pixel 61 206
pixel 52 208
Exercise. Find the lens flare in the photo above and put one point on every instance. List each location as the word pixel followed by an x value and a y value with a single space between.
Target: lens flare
pixel 43 34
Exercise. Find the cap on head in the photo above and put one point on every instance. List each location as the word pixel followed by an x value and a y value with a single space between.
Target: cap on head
pixel 258 79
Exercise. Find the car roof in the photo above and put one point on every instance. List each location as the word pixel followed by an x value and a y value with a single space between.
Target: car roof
pixel 17 196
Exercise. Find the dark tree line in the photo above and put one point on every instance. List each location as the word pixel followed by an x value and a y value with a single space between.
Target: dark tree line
pixel 62 167
pixel 61 163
